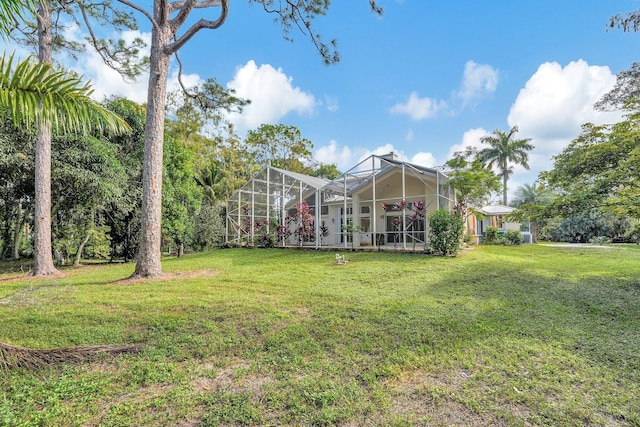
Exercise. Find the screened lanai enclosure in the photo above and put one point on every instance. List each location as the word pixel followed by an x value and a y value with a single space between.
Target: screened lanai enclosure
pixel 381 203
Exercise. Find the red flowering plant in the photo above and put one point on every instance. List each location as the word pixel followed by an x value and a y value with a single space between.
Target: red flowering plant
pixel 283 231
pixel 419 211
pixel 324 231
pixel 304 230
pixel 265 239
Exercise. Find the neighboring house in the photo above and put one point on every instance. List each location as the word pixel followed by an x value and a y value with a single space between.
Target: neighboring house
pixel 385 199
pixel 492 216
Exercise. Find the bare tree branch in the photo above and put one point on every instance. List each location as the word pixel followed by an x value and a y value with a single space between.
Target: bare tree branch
pixel 201 24
pixel 177 5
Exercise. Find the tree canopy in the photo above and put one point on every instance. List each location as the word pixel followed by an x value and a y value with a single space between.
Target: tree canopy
pixel 504 151
pixel 600 169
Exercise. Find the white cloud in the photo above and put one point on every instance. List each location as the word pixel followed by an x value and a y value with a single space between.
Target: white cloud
pixel 409 136
pixel 105 80
pixel 419 108
pixel 556 101
pixel 470 138
pixel 425 159
pixel 271 93
pixel 342 157
pixel 332 103
pixel 478 80
pixel 382 150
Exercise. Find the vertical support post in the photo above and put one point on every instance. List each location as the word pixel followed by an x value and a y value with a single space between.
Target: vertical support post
pixel 253 211
pixel 374 215
pixel 239 219
pixel 227 223
pixel 268 199
pixel 344 212
pixel 283 220
pixel 316 222
pixel 437 189
pixel 404 211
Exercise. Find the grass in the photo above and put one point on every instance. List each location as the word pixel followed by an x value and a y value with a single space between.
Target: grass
pixel 528 335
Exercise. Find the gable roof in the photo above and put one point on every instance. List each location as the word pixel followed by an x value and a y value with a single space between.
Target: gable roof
pixel 356 178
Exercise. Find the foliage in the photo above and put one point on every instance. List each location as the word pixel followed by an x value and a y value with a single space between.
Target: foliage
pixel 265 238
pixel 445 232
pixel 210 225
pixel 280 146
pixel 625 94
pixel 329 171
pixel 181 196
pixel 503 152
pixel 324 230
pixel 633 233
pixel 32 92
pixel 472 180
pixel 513 238
pixel 491 235
pixel 585 226
pixel 303 223
pixel 599 169
pixel 13 10
pixel 277 337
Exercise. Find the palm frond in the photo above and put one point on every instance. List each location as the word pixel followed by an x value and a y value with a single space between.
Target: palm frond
pixel 33 92
pixel 10 11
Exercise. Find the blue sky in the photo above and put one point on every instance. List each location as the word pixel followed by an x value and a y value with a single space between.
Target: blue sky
pixel 426 79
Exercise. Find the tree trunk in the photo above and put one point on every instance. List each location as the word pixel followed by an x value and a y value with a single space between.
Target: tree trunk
pixel 81 248
pixel 43 259
pixel 149 254
pixel 16 232
pixel 504 189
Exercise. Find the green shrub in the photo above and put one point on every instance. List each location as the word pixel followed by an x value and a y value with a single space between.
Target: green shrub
pixel 512 238
pixel 633 234
pixel 491 236
pixel 445 232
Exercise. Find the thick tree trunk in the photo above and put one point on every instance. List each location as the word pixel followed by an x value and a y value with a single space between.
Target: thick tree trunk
pixel 149 254
pixel 43 259
pixel 16 232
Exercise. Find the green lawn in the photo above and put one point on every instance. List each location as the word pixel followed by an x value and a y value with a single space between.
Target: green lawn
pixel 528 335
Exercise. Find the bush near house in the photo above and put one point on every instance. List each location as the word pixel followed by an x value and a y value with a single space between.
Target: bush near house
pixel 446 230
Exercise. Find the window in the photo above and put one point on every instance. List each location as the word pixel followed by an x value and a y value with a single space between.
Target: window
pixel 324 210
pixel 364 209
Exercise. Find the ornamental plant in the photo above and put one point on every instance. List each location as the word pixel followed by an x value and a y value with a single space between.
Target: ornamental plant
pixel 445 232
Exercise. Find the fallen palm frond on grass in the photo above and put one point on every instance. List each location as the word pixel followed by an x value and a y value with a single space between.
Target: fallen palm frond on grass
pixel 13 357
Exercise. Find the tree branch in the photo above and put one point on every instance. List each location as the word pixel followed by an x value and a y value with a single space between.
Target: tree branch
pixel 201 24
pixel 178 5
pixel 143 11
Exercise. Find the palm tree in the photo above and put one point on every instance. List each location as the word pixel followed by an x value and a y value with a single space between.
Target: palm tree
pixel 503 152
pixel 10 9
pixel 36 96
pixel 32 92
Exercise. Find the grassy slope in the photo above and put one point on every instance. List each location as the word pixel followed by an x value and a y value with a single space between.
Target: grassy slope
pixel 497 336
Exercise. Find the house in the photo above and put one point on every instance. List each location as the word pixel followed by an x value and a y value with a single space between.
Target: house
pixel 492 216
pixel 380 202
